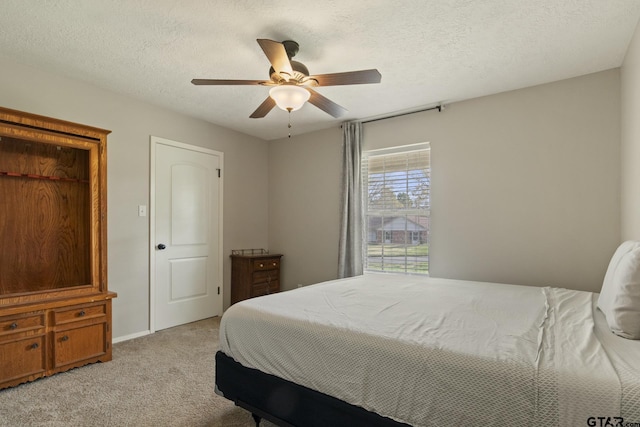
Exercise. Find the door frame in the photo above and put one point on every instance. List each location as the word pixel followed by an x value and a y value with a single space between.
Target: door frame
pixel 154 142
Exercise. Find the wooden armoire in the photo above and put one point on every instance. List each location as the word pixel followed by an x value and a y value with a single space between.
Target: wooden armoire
pixel 55 308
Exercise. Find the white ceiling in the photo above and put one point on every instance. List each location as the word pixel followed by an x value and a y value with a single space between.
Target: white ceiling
pixel 428 51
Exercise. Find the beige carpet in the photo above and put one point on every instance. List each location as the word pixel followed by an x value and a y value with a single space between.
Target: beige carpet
pixel 164 379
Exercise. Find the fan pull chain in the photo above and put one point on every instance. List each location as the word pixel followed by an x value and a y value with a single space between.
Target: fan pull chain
pixel 289 110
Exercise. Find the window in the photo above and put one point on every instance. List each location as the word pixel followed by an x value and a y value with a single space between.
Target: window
pixel 396 201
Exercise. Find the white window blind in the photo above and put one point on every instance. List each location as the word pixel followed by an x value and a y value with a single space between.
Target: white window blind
pixel 396 200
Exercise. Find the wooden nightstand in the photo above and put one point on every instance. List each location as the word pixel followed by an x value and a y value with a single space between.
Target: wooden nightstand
pixel 254 275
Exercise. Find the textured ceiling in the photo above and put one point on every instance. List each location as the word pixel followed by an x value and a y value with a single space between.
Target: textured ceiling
pixel 428 51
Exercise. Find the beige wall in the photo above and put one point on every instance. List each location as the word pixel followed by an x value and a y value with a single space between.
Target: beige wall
pixel 630 123
pixel 304 180
pixel 132 122
pixel 525 186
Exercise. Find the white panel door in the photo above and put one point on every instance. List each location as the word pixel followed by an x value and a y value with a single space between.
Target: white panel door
pixel 188 277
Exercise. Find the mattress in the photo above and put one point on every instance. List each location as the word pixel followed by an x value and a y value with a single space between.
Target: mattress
pixel 624 355
pixel 429 352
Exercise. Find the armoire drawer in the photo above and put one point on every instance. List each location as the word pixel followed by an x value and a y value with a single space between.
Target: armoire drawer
pixel 81 343
pixel 23 324
pixel 80 313
pixel 23 358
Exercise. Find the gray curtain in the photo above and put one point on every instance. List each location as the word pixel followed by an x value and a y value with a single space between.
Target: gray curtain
pixel 350 258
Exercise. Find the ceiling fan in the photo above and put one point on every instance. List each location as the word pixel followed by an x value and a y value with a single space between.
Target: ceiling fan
pixel 292 84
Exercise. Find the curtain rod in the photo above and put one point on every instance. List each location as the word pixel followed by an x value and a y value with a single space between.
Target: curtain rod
pixel 439 108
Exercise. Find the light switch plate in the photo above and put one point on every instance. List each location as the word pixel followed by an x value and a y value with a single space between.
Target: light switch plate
pixel 142 210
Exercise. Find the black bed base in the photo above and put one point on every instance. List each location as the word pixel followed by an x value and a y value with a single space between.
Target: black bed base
pixel 288 404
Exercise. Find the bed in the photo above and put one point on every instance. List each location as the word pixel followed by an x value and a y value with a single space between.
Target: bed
pixel 391 350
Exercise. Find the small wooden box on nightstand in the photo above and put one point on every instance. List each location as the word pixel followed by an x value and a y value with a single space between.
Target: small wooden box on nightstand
pixel 253 275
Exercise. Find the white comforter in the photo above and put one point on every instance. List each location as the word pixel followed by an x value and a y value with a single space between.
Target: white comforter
pixel 433 352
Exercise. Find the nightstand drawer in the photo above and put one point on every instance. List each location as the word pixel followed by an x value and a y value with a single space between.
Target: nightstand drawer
pixel 265 276
pixel 264 289
pixel 266 264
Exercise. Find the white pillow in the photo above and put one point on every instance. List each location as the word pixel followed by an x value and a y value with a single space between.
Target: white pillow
pixel 620 295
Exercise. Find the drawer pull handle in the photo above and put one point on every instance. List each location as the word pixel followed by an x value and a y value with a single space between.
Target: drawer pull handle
pixel 274 264
pixel 261 265
pixel 64 338
pixel 34 345
pixel 82 313
pixel 14 325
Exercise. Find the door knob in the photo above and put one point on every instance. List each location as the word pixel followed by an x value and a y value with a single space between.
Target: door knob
pixel 162 246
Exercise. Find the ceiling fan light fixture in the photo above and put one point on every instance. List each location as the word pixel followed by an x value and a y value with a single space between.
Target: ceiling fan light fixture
pixel 289 97
pixel 292 84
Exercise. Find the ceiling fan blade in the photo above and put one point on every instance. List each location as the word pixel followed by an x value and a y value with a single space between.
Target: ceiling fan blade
pixel 277 55
pixel 349 78
pixel 217 82
pixel 264 108
pixel 325 104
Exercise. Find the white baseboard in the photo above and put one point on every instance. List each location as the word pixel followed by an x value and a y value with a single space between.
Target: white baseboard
pixel 130 337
